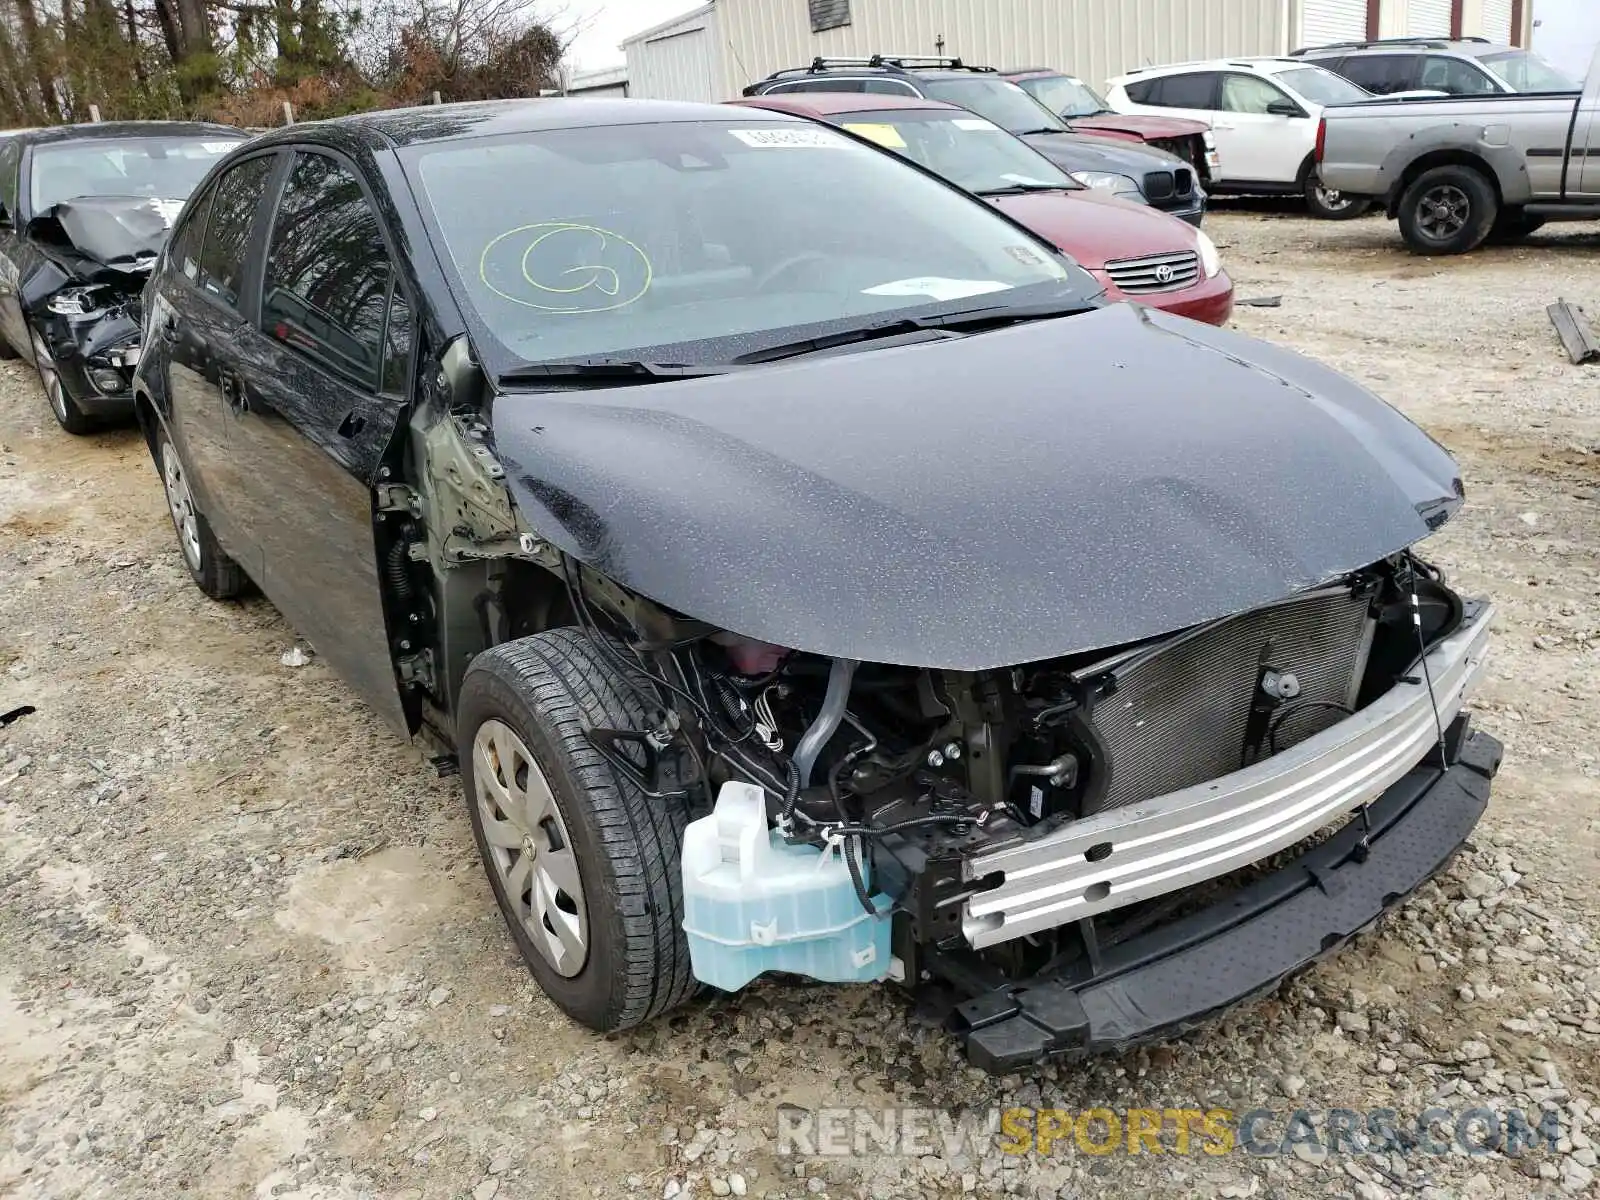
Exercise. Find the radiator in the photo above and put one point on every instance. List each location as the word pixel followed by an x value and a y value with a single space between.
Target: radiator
pixel 1179 712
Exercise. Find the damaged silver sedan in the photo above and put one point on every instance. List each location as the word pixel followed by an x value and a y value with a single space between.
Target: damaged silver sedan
pixel 84 209
pixel 842 591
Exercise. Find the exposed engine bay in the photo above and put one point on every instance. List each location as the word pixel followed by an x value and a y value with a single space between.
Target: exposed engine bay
pixel 913 775
pixel 84 294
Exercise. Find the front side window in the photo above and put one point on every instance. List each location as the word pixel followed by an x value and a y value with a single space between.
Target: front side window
pixel 696 242
pixel 159 168
pixel 326 287
pixel 970 152
pixel 234 202
pixel 1250 94
pixel 1527 72
pixel 1000 100
pixel 1455 76
pixel 1322 87
pixel 1065 96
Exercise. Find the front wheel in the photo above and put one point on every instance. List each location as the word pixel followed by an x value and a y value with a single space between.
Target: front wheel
pixel 1333 205
pixel 62 406
pixel 585 867
pixel 1448 210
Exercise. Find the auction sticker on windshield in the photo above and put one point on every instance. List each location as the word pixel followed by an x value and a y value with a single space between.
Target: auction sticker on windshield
pixel 789 139
pixel 884 135
pixel 938 288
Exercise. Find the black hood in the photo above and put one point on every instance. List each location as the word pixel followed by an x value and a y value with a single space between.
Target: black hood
pixel 996 499
pixel 1072 152
pixel 121 232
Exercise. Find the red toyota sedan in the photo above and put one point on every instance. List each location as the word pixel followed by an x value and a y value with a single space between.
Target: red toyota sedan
pixel 1137 252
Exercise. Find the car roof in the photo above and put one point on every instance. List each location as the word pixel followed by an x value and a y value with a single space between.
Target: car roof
pixel 825 104
pixel 490 118
pixel 97 130
pixel 1470 47
pixel 1264 63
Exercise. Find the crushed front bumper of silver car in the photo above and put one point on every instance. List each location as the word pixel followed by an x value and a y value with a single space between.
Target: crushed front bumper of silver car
pixel 1133 853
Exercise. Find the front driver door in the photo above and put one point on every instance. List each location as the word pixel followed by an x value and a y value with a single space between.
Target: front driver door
pixel 318 391
pixel 1254 143
pixel 12 327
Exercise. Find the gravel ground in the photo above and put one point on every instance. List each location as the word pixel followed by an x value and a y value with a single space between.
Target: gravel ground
pixel 246 948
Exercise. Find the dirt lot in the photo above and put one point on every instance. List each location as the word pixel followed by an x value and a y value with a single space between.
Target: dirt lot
pixel 246 948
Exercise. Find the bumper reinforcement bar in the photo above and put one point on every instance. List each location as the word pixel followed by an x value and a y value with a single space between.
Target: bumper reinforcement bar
pixel 1176 976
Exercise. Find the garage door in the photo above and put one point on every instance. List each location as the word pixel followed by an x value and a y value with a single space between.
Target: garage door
pixel 1428 18
pixel 1324 21
pixel 1497 21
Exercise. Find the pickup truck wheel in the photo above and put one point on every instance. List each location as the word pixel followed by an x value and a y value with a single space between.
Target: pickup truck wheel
pixel 1448 210
pixel 584 865
pixel 1512 225
pixel 213 572
pixel 1333 205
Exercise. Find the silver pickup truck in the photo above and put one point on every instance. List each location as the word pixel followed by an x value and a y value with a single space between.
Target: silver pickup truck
pixel 1458 172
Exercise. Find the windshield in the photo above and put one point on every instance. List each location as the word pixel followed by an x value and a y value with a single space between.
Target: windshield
pixel 1322 87
pixel 1527 72
pixel 970 152
pixel 606 241
pixel 166 168
pixel 1064 95
pixel 1002 101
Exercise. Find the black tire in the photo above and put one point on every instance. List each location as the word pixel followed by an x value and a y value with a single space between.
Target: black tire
pixel 548 689
pixel 1330 205
pixel 213 572
pixel 1512 225
pixel 7 350
pixel 1448 210
pixel 62 406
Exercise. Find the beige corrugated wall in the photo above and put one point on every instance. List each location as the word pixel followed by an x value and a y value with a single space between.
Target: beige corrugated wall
pixel 1093 39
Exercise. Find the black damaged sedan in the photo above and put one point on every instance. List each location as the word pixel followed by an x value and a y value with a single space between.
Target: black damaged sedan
pixel 83 211
pixel 808 572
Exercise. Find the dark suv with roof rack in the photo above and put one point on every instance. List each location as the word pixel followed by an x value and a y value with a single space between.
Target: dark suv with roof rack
pixel 1133 172
pixel 1471 66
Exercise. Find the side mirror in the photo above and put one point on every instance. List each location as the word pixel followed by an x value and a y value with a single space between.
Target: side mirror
pixel 1284 108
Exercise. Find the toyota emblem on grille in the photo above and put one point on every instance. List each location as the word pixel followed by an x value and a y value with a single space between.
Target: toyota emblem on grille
pixel 1164 273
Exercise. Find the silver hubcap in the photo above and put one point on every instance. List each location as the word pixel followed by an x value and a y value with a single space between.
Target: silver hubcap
pixel 50 377
pixel 1443 212
pixel 529 848
pixel 184 518
pixel 1332 198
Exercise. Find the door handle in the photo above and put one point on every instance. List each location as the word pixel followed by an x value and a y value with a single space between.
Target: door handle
pixel 233 391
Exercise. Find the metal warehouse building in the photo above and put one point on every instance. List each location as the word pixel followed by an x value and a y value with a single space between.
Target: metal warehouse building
pixel 712 52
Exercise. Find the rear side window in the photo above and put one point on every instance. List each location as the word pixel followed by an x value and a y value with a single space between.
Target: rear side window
pixel 234 202
pixel 327 280
pixel 1193 90
pixel 1381 74
pixel 187 242
pixel 1142 91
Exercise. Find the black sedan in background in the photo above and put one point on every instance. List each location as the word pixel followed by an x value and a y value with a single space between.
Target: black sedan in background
pixel 83 211
pixel 708 484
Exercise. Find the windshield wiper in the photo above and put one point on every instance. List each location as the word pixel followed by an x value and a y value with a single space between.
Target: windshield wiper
pixel 1031 132
pixel 607 370
pixel 1022 189
pixel 966 320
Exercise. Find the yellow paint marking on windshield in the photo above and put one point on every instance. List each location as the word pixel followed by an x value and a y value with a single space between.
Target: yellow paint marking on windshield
pixel 597 277
pixel 884 135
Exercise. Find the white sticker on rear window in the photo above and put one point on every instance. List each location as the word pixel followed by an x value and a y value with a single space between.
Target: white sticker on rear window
pixel 789 139
pixel 975 123
pixel 936 287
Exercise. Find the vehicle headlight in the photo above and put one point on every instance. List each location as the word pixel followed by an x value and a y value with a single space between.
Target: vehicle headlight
pixel 1210 260
pixel 1108 181
pixel 77 301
